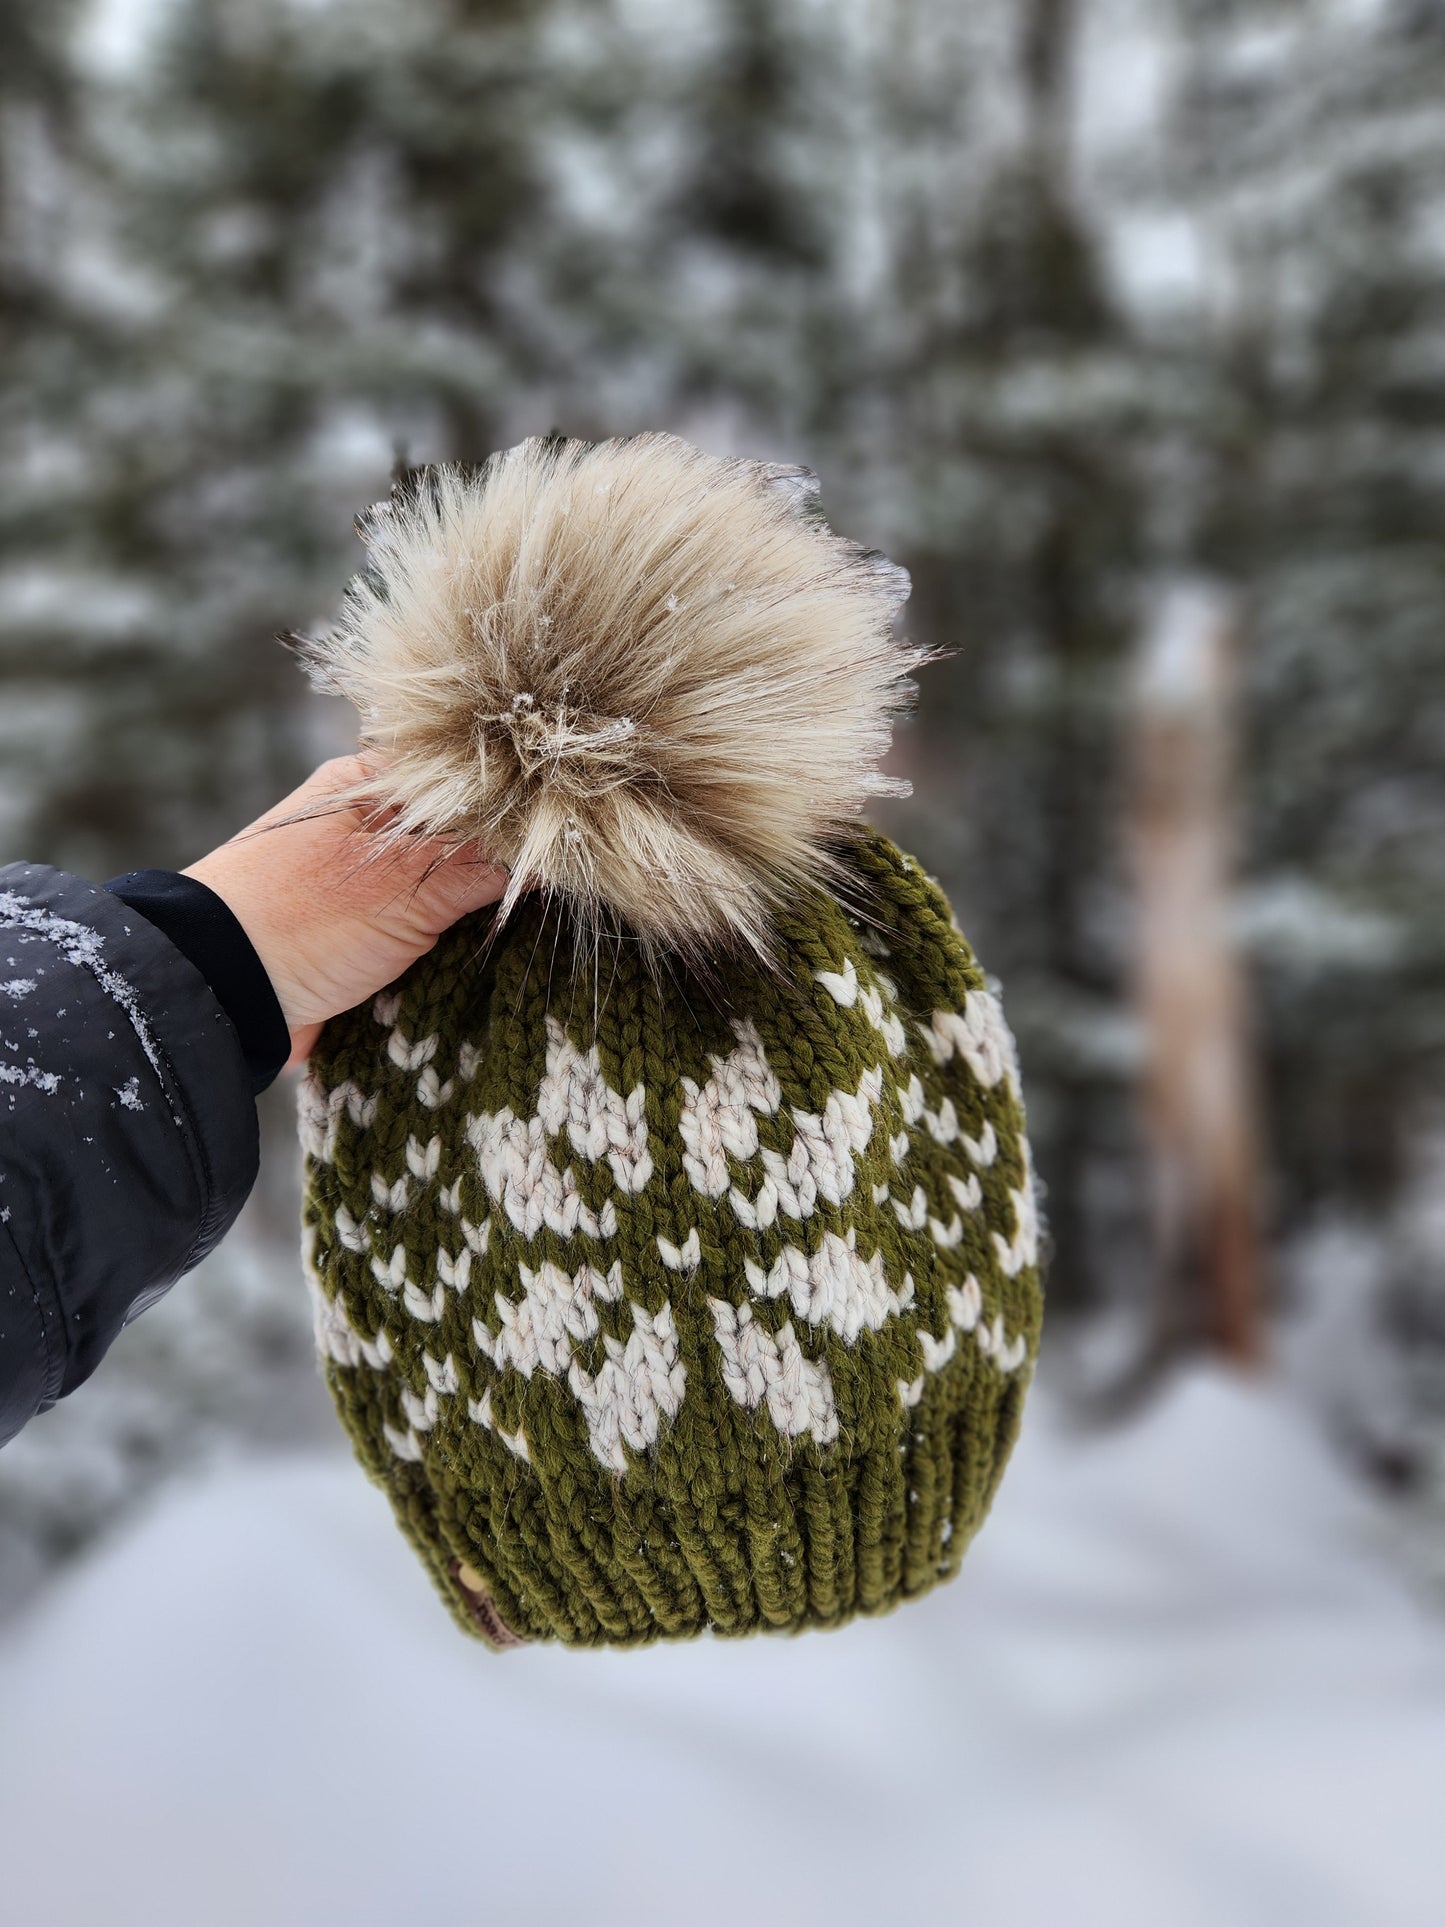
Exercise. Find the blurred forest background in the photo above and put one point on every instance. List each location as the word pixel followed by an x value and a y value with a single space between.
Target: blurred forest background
pixel 1120 323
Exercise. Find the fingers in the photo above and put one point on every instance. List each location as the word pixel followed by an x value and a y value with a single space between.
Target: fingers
pixel 357 861
pixel 444 883
pixel 303 1041
pixel 335 901
pixel 473 883
pixel 449 884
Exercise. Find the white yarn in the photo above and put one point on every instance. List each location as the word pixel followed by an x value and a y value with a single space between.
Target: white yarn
pixel 638 1384
pixel 352 1235
pixel 319 1114
pixel 846 990
pixel 455 1272
pixel 390 1197
pixel 937 1351
pixel 537 1330
pixel 761 1368
pixel 913 1215
pixel 480 1413
pixel 431 1093
pixel 914 1100
pixel 574 1096
pixel 965 1314
pixel 519 1174
pixel 720 1117
pixel 336 1337
pixel 833 1287
pixel 968 1191
pixel 684 1257
pixel 421 1413
pixel 980 1035
pixel 965 1303
pixel 423 1160
pixel 425 1306
pixel 443 1377
pixel 820 1162
pixel 1016 1254
pixel 406 1445
pixel 408 1056
pixel 390 1273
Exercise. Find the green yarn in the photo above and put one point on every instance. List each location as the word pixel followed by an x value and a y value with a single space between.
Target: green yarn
pixel 658 1308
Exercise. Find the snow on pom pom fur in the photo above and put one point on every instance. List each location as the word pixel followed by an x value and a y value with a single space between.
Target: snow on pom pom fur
pixel 649 680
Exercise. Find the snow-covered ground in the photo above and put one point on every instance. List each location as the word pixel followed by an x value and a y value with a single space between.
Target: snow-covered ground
pixel 1177 1684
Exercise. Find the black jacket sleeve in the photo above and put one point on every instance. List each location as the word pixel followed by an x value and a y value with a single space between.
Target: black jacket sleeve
pixel 204 928
pixel 128 1137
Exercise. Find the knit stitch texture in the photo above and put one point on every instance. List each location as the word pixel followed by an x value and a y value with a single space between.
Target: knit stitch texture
pixel 655 1314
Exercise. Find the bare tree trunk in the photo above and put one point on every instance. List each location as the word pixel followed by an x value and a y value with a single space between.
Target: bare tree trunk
pixel 1200 1090
pixel 1046 46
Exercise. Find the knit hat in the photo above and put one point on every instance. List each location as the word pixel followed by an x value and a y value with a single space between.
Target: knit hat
pixel 670 1226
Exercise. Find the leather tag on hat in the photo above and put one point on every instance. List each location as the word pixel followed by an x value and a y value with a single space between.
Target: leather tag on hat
pixel 478 1600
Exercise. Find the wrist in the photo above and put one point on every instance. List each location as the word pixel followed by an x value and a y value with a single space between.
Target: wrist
pixel 239 892
pixel 205 929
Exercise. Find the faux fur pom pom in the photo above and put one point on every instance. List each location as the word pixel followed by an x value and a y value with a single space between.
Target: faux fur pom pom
pixel 649 680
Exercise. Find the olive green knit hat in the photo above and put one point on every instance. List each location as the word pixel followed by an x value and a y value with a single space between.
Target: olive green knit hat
pixel 670 1227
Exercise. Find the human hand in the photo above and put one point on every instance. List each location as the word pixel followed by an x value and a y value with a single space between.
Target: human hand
pixel 334 913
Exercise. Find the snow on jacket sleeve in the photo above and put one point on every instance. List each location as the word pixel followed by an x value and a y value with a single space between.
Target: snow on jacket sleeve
pixel 128 1137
